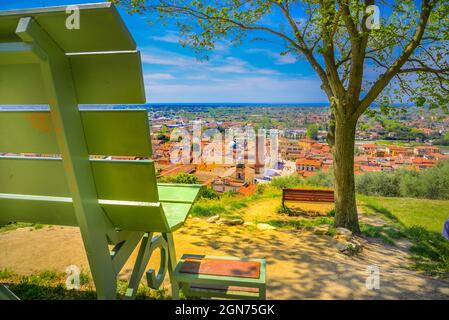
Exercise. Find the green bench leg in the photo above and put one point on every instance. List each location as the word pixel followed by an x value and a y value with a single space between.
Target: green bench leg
pixel 172 264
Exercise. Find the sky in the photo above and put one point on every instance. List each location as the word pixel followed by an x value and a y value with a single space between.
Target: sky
pixel 252 72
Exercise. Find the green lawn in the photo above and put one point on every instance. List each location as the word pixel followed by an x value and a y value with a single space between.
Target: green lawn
pixel 429 214
pixel 418 220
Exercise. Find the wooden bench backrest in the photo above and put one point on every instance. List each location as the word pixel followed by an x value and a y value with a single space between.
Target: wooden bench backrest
pixel 307 195
pixel 34 189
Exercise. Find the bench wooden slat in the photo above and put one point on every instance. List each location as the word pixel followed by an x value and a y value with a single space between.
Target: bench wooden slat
pixel 107 132
pixel 307 195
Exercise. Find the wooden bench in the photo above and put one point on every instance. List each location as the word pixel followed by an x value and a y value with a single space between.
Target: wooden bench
pixel 307 195
pixel 220 277
pixel 68 181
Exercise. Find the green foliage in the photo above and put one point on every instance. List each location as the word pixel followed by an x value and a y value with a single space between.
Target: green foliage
pixel 432 183
pixel 321 179
pixel 16 225
pixel 312 131
pixel 183 178
pixel 208 193
pixel 205 209
pixel 6 273
pixel 419 221
pixel 51 285
pixel 289 181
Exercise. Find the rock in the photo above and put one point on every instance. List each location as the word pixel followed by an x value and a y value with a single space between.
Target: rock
pixel 322 229
pixel 345 232
pixel 229 222
pixel 213 219
pixel 349 248
pixel 248 223
pixel 265 226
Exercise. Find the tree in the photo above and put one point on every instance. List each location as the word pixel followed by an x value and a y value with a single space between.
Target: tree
pixel 312 131
pixel 406 59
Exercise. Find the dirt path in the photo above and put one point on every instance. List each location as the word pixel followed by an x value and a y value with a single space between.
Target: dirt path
pixel 301 265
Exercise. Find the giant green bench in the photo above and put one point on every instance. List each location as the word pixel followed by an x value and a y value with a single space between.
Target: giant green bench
pixel 53 169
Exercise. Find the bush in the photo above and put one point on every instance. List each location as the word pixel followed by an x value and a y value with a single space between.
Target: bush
pixel 184 178
pixel 209 193
pixel 432 183
pixel 289 181
pixel 321 179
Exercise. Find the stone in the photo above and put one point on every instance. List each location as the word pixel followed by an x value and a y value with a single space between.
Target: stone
pixel 349 248
pixel 248 223
pixel 322 229
pixel 229 222
pixel 344 232
pixel 265 226
pixel 213 219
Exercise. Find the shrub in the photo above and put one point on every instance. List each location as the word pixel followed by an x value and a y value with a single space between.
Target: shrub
pixel 209 193
pixel 321 179
pixel 432 183
pixel 289 181
pixel 184 178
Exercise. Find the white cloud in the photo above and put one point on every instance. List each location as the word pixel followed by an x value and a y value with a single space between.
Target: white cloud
pixel 158 76
pixel 170 37
pixel 276 56
pixel 242 89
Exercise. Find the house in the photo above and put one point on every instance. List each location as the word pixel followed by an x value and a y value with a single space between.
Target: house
pixel 308 165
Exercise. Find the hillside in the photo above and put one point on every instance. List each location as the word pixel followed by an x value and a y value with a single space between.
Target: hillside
pixel 400 236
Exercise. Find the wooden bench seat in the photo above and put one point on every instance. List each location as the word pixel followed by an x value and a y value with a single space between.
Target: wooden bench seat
pixel 221 277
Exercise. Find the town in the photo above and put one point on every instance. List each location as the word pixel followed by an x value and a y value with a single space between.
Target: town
pixel 384 144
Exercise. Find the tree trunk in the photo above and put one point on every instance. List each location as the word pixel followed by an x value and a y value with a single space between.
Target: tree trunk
pixel 343 151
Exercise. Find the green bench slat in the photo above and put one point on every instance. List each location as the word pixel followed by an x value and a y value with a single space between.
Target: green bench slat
pixel 33 176
pixel 102 28
pixel 59 211
pixel 176 214
pixel 125 180
pixel 177 193
pixel 99 78
pixel 21 208
pixel 114 179
pixel 107 132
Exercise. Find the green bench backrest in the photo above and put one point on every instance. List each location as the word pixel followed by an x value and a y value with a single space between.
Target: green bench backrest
pixel 36 190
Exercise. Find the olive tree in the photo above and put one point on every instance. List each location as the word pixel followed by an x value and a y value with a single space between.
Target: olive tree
pixel 359 61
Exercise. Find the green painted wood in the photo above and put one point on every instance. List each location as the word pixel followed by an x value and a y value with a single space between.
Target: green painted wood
pixel 107 132
pixel 27 132
pixel 66 120
pixel 44 210
pixel 117 132
pixel 177 193
pixel 147 217
pixel 114 179
pixel 99 78
pixel 33 176
pixel 108 78
pixel 102 28
pixel 176 214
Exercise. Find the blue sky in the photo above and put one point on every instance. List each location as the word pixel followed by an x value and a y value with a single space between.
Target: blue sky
pixel 252 72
